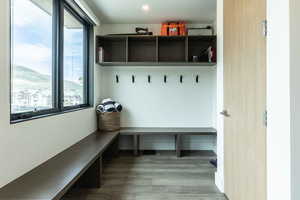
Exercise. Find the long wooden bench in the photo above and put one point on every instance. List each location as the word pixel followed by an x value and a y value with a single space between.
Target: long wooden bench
pixel 178 133
pixel 80 165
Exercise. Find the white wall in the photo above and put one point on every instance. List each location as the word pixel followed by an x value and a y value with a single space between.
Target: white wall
pixel 278 101
pixel 283 95
pixel 26 145
pixel 220 106
pixel 295 96
pixel 160 104
pixel 141 99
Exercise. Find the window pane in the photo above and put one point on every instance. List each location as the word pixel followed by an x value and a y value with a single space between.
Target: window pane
pixel 31 55
pixel 73 61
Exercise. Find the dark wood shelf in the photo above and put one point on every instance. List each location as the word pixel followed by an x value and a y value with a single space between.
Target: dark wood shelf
pixel 203 64
pixel 199 44
pixel 154 50
pixel 172 49
pixel 115 48
pixel 142 49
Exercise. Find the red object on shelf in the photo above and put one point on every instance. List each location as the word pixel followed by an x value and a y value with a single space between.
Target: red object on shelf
pixel 214 56
pixel 173 29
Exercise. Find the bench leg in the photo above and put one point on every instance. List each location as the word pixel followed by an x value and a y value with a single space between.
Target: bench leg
pixel 136 145
pixel 115 147
pixel 178 146
pixel 101 171
pixel 92 177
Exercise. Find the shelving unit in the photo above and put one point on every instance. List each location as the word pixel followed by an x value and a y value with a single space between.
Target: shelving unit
pixel 154 50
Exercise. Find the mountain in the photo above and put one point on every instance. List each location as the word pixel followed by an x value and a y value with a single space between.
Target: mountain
pixel 24 73
pixel 28 79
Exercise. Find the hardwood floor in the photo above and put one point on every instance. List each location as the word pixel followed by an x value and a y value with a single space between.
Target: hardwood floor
pixel 155 177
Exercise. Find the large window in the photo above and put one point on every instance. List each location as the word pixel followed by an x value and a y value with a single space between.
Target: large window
pixel 31 56
pixel 50 65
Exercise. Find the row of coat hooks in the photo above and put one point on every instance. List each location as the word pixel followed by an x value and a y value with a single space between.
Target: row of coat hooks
pixel 165 79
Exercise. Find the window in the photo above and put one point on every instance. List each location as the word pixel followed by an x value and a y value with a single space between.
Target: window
pixel 32 56
pixel 50 65
pixel 73 60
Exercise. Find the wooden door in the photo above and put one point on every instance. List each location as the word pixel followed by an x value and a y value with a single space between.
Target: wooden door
pixel 244 99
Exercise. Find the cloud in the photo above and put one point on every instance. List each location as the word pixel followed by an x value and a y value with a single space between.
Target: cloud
pixel 37 57
pixel 27 13
pixel 32 42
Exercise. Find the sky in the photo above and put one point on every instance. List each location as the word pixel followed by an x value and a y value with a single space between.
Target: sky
pixel 32 41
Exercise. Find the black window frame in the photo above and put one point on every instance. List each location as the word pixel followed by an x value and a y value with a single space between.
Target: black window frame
pixel 59 6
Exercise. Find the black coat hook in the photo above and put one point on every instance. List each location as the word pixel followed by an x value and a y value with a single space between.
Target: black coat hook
pixel 117 78
pixel 165 78
pixel 197 79
pixel 149 79
pixel 181 78
pixel 133 79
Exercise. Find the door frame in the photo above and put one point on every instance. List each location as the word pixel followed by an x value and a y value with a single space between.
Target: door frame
pixel 281 134
pixel 219 176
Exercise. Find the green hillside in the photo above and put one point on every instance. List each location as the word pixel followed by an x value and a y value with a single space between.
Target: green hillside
pixel 25 78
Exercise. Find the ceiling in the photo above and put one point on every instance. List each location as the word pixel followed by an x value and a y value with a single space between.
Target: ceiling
pixel 130 11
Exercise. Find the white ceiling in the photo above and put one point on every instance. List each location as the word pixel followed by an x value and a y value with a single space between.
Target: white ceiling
pixel 130 12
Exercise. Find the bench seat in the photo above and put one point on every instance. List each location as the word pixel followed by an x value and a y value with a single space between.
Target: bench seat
pixel 168 131
pixel 176 132
pixel 52 179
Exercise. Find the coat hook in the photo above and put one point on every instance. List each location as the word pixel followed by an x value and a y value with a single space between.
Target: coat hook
pixel 181 78
pixel 133 79
pixel 165 78
pixel 117 78
pixel 149 79
pixel 197 79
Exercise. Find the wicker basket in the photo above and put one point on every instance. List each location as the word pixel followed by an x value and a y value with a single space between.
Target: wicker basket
pixel 109 121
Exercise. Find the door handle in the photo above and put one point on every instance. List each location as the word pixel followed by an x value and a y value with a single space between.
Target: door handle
pixel 225 113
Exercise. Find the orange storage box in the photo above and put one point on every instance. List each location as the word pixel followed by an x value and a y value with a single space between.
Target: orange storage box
pixel 173 29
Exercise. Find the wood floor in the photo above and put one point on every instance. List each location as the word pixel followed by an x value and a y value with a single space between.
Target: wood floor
pixel 155 177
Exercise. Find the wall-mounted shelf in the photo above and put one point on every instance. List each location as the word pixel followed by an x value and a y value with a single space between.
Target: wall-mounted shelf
pixel 106 64
pixel 154 50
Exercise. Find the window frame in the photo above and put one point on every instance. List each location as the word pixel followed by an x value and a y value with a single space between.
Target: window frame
pixel 58 63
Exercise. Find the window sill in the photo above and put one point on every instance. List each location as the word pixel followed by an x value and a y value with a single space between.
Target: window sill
pixel 50 114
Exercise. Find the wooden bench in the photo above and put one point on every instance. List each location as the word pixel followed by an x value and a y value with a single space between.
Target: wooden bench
pixel 80 165
pixel 178 133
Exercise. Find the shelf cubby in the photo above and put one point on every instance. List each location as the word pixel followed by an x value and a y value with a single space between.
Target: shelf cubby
pixel 114 48
pixel 142 49
pixel 171 49
pixel 197 45
pixel 154 50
